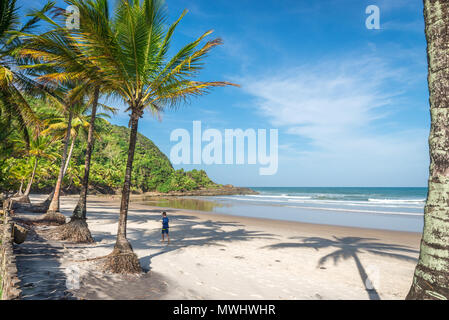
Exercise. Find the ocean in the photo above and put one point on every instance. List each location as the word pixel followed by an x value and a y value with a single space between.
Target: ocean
pixel 399 209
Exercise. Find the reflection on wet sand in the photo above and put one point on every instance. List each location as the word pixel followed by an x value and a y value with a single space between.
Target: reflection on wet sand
pixel 183 203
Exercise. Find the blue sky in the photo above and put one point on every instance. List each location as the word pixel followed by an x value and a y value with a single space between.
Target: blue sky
pixel 350 104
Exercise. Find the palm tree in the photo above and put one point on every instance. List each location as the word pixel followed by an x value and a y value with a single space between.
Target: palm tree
pixel 40 148
pixel 57 48
pixel 431 278
pixel 14 83
pixel 56 126
pixel 77 230
pixel 130 52
pixel 67 99
pixel 53 215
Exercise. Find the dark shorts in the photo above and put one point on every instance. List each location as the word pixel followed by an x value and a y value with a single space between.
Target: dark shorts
pixel 165 230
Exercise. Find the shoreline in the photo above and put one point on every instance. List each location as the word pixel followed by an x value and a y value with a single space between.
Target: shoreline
pixel 216 256
pixel 257 221
pixel 280 222
pixel 140 200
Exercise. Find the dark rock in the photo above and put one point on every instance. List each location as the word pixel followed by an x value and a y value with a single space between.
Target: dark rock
pixel 20 233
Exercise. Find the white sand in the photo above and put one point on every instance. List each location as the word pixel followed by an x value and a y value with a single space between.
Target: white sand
pixel 228 257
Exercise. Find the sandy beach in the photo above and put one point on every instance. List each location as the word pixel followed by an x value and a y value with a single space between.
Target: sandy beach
pixel 214 256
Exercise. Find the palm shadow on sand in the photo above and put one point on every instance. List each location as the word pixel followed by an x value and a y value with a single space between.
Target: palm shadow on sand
pixel 349 248
pixel 185 231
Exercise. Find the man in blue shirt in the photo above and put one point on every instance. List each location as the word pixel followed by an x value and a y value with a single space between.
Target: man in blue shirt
pixel 165 227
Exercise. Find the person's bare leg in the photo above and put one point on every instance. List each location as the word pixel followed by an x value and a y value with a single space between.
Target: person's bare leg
pixel 168 239
pixel 162 238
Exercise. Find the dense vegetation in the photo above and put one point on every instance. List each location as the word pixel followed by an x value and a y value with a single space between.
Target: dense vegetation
pixel 52 79
pixel 152 170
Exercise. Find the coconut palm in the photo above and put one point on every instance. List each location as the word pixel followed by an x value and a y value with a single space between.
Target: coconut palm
pixel 67 99
pixel 14 83
pixel 40 148
pixel 57 48
pixel 431 278
pixel 130 52
pixel 56 126
pixel 77 230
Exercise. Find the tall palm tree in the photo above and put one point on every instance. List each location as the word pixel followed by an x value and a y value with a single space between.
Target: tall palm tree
pixel 53 215
pixel 13 82
pixel 130 51
pixel 56 126
pixel 58 48
pixel 67 98
pixel 431 278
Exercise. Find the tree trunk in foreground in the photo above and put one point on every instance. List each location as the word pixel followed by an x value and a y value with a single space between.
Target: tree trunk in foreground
pixel 77 229
pixel 53 215
pixel 123 259
pixel 30 183
pixel 431 279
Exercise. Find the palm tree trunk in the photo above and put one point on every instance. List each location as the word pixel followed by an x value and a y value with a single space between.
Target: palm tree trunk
pixel 431 278
pixel 66 166
pixel 123 259
pixel 53 210
pixel 30 183
pixel 77 229
pixel 20 192
pixel 121 233
pixel 80 209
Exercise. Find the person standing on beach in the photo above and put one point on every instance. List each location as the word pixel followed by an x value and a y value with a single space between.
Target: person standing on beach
pixel 165 227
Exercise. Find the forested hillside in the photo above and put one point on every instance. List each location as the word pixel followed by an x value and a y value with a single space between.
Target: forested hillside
pixel 152 170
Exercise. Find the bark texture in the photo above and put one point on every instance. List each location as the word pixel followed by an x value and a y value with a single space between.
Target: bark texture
pixel 69 157
pixel 123 259
pixel 80 210
pixel 53 215
pixel 77 230
pixel 431 278
pixel 30 183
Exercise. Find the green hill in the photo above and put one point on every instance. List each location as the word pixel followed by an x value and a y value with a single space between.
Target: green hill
pixel 152 170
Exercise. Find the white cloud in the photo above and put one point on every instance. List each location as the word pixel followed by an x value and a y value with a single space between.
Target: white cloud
pixel 345 111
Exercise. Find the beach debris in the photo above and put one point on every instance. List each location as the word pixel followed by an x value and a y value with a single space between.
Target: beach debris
pixel 19 233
